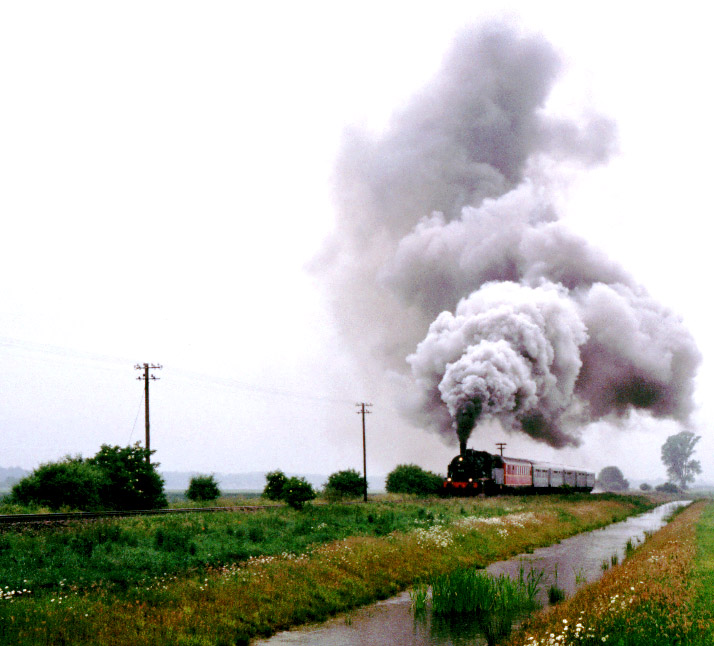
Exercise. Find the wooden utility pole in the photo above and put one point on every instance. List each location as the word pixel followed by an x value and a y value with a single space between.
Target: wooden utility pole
pixel 363 411
pixel 500 446
pixel 146 377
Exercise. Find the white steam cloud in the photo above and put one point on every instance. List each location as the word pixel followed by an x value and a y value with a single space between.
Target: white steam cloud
pixel 450 262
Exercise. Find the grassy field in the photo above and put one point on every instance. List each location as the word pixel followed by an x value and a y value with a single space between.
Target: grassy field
pixel 225 578
pixel 660 596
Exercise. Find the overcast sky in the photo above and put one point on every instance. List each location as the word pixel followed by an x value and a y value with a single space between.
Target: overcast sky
pixel 167 176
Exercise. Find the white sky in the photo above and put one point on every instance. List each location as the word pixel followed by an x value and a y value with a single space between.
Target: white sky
pixel 165 174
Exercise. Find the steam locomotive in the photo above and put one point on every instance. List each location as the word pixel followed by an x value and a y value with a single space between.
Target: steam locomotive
pixel 478 472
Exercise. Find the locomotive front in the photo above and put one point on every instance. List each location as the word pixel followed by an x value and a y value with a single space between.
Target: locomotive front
pixel 469 474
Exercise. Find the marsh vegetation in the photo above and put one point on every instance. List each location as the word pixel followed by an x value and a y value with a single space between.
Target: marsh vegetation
pixel 226 578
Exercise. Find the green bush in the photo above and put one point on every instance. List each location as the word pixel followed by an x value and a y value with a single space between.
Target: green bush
pixel 69 483
pixel 115 478
pixel 203 488
pixel 274 488
pixel 668 487
pixel 130 480
pixel 297 491
pixel 409 478
pixel 344 484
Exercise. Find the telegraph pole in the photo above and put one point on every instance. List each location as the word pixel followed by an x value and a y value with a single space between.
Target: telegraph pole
pixel 146 377
pixel 500 446
pixel 363 411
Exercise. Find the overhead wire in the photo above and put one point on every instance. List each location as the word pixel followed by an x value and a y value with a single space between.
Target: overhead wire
pixel 138 410
pixel 77 356
pixel 235 384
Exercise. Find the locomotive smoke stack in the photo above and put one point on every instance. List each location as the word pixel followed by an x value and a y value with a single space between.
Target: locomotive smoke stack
pixel 465 421
pixel 447 225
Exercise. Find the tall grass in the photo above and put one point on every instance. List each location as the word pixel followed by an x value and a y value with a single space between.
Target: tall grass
pixel 494 603
pixel 556 594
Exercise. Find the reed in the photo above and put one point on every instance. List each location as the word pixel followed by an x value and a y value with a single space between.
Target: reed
pixel 419 595
pixel 494 603
pixel 556 594
pixel 629 548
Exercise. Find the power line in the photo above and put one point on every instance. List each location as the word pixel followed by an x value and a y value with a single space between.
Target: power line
pixel 78 357
pixel 235 384
pixel 138 410
pixel 69 354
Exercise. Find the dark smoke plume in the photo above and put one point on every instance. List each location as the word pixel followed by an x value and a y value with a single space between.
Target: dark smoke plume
pixel 448 259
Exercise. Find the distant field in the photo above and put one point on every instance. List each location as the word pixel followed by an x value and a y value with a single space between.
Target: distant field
pixel 227 497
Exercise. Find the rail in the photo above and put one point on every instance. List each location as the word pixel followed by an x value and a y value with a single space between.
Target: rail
pixel 56 517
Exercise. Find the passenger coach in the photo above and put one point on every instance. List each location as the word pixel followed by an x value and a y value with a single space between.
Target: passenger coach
pixel 479 472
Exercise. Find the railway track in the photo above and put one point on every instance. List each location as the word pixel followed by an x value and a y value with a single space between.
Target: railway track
pixel 59 517
pixel 26 519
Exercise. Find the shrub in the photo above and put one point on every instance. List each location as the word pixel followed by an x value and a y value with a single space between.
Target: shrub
pixel 409 478
pixel 645 487
pixel 130 480
pixel 274 487
pixel 203 488
pixel 71 482
pixel 344 484
pixel 668 487
pixel 297 491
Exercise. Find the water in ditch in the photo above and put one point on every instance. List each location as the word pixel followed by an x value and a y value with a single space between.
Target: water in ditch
pixel 570 564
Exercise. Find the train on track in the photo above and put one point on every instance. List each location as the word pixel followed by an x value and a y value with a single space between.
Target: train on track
pixel 478 472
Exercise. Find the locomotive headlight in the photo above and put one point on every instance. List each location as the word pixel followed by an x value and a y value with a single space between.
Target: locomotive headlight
pixel 471 479
pixel 448 480
pixel 461 459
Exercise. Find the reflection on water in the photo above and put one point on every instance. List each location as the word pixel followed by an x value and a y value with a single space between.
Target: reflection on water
pixel 577 561
pixel 386 623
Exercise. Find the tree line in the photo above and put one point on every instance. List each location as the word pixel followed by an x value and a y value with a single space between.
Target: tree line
pixel 123 478
pixel 676 454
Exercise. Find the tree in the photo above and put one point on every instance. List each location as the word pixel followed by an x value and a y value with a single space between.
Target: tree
pixel 611 479
pixel 275 482
pixel 70 483
pixel 410 478
pixel 676 455
pixel 297 491
pixel 645 487
pixel 344 484
pixel 202 488
pixel 130 480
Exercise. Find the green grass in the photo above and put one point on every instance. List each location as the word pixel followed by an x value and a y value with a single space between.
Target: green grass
pixel 661 595
pixel 703 575
pixel 116 553
pixel 226 578
pixel 492 602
